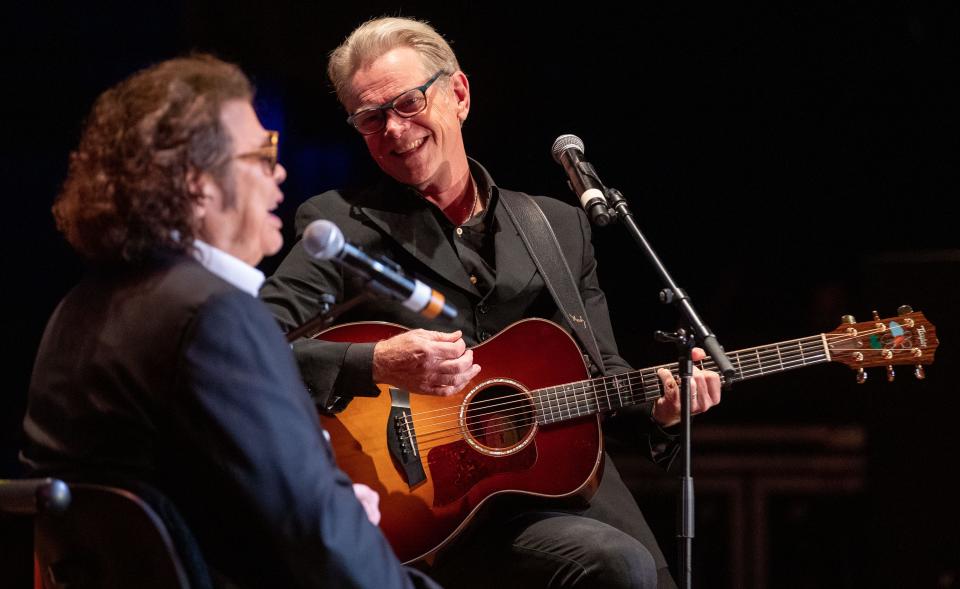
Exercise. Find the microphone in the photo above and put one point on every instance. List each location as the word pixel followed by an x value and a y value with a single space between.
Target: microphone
pixel 568 152
pixel 323 240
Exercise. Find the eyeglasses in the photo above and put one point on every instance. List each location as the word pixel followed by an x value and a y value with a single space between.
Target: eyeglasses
pixel 409 104
pixel 267 154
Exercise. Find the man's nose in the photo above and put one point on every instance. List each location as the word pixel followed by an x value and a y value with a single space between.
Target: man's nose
pixel 395 125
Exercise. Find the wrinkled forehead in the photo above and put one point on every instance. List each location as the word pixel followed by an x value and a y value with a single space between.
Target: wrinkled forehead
pixel 381 79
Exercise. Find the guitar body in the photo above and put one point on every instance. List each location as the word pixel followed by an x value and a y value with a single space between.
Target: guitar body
pixel 435 463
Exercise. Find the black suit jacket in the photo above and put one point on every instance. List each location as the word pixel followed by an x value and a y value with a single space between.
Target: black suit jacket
pixel 393 220
pixel 168 375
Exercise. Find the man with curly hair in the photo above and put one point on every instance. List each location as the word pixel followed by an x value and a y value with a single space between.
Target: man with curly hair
pixel 161 370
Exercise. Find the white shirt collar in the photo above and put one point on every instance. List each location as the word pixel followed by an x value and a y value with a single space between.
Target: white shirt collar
pixel 234 270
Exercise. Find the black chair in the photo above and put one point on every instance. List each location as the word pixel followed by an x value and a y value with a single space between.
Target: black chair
pixel 20 501
pixel 106 537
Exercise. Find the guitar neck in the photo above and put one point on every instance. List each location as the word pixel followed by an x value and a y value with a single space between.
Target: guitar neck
pixel 609 393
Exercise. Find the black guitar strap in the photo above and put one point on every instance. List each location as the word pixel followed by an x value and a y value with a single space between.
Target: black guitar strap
pixel 544 249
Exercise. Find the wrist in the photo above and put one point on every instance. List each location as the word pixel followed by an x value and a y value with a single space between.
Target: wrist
pixel 658 417
pixel 376 369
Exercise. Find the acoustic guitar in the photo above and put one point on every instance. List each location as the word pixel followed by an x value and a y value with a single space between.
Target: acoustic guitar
pixel 529 422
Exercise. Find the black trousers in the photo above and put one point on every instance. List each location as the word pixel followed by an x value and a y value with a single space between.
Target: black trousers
pixel 605 545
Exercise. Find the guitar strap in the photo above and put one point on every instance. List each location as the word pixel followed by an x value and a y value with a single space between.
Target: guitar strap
pixel 541 242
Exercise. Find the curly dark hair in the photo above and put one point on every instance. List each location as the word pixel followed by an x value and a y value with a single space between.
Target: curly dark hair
pixel 127 191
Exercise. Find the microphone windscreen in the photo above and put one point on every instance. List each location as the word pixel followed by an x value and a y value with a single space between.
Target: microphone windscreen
pixel 323 240
pixel 563 143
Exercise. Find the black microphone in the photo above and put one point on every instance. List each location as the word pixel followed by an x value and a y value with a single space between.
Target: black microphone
pixel 568 152
pixel 323 240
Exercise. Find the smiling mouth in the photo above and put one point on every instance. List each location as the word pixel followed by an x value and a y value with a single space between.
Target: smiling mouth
pixel 410 147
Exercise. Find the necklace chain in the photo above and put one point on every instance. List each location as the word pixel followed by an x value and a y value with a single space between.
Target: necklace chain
pixel 473 207
pixel 476 200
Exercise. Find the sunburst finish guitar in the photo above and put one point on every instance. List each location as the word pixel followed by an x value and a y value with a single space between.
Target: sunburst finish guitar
pixel 529 422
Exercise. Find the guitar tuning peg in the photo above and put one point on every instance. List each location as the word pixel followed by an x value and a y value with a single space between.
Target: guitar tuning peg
pixel 890 373
pixel 861 376
pixel 919 372
pixel 876 316
pixel 904 310
pixel 848 319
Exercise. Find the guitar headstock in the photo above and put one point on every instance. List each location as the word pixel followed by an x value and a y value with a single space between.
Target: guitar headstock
pixel 908 339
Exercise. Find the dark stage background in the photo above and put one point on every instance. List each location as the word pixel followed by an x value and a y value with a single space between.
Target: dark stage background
pixel 789 163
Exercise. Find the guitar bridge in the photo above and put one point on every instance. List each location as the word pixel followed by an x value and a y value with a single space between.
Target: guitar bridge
pixel 402 438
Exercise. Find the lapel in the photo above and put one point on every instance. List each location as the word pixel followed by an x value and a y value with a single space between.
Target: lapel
pixel 406 219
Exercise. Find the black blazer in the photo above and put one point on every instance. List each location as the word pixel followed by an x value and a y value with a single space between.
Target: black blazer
pixel 168 375
pixel 393 220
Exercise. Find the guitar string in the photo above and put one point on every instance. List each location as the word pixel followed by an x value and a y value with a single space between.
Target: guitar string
pixel 650 371
pixel 626 379
pixel 754 368
pixel 528 418
pixel 591 401
pixel 574 402
pixel 767 352
pixel 522 420
pixel 589 404
pixel 430 440
pixel 582 400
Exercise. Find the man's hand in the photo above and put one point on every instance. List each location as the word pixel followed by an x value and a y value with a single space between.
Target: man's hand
pixel 704 393
pixel 370 501
pixel 422 361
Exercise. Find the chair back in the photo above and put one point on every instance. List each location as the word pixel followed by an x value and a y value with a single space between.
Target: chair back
pixel 108 538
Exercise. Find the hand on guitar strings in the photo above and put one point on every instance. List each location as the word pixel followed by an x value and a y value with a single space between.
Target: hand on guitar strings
pixel 429 362
pixel 704 393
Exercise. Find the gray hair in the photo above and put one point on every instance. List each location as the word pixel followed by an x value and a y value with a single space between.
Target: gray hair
pixel 376 37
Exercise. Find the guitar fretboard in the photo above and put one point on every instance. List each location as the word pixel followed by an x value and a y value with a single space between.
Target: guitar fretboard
pixel 609 393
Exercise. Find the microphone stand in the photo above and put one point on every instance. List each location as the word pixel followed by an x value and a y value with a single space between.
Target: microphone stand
pixel 692 331
pixel 326 316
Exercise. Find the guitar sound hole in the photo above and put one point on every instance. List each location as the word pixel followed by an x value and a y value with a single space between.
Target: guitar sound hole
pixel 500 417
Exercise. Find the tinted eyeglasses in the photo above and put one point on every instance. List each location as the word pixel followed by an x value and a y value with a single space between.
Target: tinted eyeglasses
pixel 409 104
pixel 267 154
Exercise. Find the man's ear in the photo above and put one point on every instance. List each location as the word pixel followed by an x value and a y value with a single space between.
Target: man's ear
pixel 203 189
pixel 461 90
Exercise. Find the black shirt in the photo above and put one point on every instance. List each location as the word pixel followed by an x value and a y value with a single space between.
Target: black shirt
pixel 474 240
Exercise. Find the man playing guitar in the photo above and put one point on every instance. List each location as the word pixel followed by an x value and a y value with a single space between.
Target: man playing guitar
pixel 441 216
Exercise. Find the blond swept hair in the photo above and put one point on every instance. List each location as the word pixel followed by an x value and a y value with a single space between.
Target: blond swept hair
pixel 380 35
